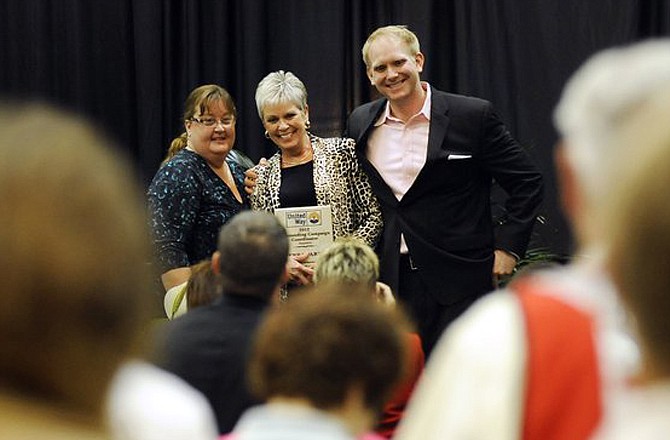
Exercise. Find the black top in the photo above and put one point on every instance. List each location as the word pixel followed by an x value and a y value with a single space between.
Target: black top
pixel 297 186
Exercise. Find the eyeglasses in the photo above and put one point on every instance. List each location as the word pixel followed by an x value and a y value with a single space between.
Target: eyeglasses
pixel 211 122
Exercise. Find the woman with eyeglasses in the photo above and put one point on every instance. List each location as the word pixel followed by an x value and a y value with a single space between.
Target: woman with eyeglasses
pixel 199 188
pixel 309 170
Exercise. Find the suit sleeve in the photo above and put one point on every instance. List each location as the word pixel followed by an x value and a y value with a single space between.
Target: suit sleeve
pixel 515 172
pixel 348 129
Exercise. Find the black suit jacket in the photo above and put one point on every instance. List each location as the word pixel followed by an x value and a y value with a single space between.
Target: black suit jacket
pixel 208 346
pixel 445 216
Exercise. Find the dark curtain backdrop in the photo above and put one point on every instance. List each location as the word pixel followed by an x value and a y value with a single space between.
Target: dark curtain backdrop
pixel 129 64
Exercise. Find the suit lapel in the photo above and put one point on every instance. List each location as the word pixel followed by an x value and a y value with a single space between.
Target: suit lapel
pixel 439 127
pixel 439 124
pixel 366 124
pixel 379 186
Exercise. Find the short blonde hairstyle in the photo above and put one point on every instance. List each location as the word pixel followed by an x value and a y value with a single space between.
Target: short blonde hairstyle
pixel 347 260
pixel 399 32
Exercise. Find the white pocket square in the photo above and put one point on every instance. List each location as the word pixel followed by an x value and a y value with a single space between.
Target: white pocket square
pixel 459 156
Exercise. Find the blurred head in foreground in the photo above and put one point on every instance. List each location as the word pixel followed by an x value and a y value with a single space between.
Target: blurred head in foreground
pixel 333 350
pixel 75 257
pixel 597 101
pixel 637 220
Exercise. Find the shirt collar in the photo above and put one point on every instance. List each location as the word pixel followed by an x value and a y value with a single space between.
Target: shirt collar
pixel 425 110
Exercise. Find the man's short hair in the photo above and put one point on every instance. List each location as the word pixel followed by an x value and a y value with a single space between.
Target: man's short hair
pixel 399 32
pixel 253 249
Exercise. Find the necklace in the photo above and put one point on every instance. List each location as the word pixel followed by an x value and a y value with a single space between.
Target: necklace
pixel 304 157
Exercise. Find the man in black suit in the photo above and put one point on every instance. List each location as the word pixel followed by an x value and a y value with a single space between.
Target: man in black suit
pixel 431 157
pixel 208 346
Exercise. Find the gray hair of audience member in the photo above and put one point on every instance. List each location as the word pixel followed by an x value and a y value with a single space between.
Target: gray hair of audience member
pixel 637 220
pixel 598 99
pixel 399 32
pixel 278 88
pixel 347 260
pixel 75 254
pixel 252 254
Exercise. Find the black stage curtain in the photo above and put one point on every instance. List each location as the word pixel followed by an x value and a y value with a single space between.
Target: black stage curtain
pixel 128 65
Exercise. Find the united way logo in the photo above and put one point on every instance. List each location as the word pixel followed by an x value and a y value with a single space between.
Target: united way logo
pixel 303 218
pixel 314 217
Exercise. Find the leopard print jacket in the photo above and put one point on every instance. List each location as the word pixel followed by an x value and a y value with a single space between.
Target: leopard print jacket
pixel 338 182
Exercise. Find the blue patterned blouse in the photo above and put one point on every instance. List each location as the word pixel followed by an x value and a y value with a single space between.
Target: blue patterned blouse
pixel 188 204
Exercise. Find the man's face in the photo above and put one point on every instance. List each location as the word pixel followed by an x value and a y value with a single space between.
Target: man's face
pixel 393 70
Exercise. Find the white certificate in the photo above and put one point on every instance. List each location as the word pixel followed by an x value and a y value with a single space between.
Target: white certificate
pixel 309 229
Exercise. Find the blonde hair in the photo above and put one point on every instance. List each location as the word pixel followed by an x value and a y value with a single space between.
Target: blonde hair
pixel 398 32
pixel 599 98
pixel 636 219
pixel 347 260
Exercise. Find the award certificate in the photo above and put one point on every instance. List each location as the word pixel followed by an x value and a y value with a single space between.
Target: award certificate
pixel 309 229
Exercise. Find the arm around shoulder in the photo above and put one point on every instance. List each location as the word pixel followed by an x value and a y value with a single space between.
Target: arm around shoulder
pixel 515 171
pixel 367 212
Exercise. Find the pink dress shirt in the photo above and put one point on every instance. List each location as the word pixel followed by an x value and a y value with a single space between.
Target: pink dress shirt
pixel 398 149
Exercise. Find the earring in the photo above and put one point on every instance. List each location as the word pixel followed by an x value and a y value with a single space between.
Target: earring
pixel 267 135
pixel 308 124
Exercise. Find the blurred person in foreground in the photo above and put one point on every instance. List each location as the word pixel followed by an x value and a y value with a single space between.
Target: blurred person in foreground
pixel 199 188
pixel 75 250
pixel 507 357
pixel 637 219
pixel 208 346
pixel 309 170
pixel 325 362
pixel 350 262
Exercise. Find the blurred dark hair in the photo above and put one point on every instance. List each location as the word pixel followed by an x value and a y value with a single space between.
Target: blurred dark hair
pixel 320 344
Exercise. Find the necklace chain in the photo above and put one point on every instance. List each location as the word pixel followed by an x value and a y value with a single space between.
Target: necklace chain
pixel 303 158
